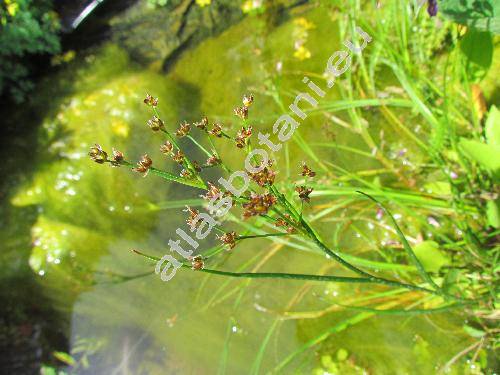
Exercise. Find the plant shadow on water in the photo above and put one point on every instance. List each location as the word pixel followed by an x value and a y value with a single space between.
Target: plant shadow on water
pixel 88 217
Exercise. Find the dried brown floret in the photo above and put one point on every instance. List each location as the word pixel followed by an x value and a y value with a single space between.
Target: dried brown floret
pixel 265 177
pixel 258 204
pixel 213 160
pixel 167 147
pixel 97 154
pixel 241 112
pixel 117 158
pixel 183 130
pixel 216 130
pixel 247 100
pixel 203 124
pixel 143 165
pixel 178 157
pixel 242 136
pixel 197 263
pixel 213 192
pixel 186 174
pixel 306 171
pixel 149 100
pixel 229 239
pixel 196 166
pixel 155 123
pixel 304 192
pixel 193 213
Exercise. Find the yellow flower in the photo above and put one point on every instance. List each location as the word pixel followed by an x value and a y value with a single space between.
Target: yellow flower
pixel 304 24
pixel 302 53
pixel 202 3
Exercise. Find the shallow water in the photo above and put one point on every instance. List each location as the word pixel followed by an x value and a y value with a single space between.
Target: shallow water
pixel 86 218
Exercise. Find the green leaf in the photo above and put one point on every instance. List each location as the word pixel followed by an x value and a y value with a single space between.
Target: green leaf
pixel 485 155
pixel 477 46
pixel 64 358
pixel 492 127
pixel 479 14
pixel 492 213
pixel 438 187
pixel 474 332
pixel 429 255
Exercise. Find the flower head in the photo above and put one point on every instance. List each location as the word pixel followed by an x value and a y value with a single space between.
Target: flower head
pixel 264 177
pixel 229 239
pixel 306 171
pixel 143 165
pixel 183 130
pixel 213 160
pixel 212 192
pixel 258 204
pixel 97 154
pixel 197 262
pixel 178 157
pixel 203 124
pixel 167 147
pixel 242 136
pixel 304 192
pixel 117 158
pixel 149 100
pixel 216 130
pixel 247 100
pixel 432 7
pixel 155 123
pixel 193 213
pixel 241 112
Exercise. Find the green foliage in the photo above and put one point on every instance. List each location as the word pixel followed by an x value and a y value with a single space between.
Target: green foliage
pixel 477 46
pixel 480 14
pixel 27 27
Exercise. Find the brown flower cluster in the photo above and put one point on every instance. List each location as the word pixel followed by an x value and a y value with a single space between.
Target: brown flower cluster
pixel 265 177
pixel 213 160
pixel 192 215
pixel 304 192
pixel 97 154
pixel 242 112
pixel 306 171
pixel 212 192
pixel 197 262
pixel 166 148
pixel 259 204
pixel 152 102
pixel 216 130
pixel 285 223
pixel 117 158
pixel 242 136
pixel 178 157
pixel 183 130
pixel 186 174
pixel 143 165
pixel 155 123
pixel 203 124
pixel 229 239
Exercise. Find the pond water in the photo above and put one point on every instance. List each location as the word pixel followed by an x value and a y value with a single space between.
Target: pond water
pixel 80 220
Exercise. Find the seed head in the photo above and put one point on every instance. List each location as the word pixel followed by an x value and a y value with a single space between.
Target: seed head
pixel 247 100
pixel 117 158
pixel 228 239
pixel 150 101
pixel 186 174
pixel 306 171
pixel 212 192
pixel 97 154
pixel 178 157
pixel 192 215
pixel 258 204
pixel 304 192
pixel 213 160
pixel 216 130
pixel 167 147
pixel 241 112
pixel 203 124
pixel 280 222
pixel 197 262
pixel 183 130
pixel 265 177
pixel 143 165
pixel 156 123
pixel 242 136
